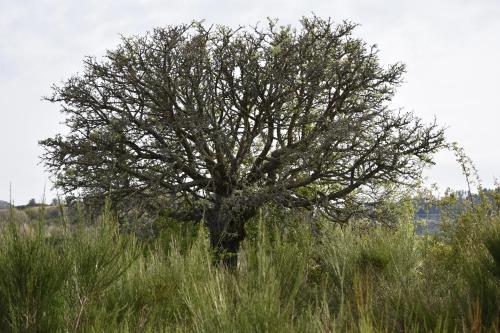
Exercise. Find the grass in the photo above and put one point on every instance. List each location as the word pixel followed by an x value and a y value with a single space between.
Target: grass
pixel 292 276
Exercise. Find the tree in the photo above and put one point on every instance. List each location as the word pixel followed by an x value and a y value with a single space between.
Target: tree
pixel 56 202
pixel 220 121
pixel 32 202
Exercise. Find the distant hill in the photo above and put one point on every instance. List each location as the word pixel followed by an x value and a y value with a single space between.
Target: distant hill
pixel 4 204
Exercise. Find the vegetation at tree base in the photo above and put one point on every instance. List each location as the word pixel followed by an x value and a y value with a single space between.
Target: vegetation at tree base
pixel 296 273
pixel 219 122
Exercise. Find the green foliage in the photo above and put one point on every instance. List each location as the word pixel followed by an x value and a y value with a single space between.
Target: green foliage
pixel 32 278
pixel 99 256
pixel 296 273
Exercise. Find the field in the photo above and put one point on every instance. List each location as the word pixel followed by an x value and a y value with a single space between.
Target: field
pixel 295 274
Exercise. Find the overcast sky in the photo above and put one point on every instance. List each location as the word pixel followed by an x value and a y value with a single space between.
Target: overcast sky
pixel 451 49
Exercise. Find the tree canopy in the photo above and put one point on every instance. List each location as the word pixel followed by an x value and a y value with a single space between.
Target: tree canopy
pixel 220 121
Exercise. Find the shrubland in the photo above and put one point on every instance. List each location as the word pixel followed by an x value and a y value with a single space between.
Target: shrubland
pixel 295 273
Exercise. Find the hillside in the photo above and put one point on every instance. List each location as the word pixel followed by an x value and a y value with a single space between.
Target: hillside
pixel 4 204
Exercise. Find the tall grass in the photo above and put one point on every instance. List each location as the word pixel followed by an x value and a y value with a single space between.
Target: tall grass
pixel 294 274
pixel 32 279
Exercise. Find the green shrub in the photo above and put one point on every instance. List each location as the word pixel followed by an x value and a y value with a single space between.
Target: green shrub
pixel 295 273
pixel 32 277
pixel 99 256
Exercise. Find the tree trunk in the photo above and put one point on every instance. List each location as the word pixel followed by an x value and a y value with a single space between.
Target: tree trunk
pixel 226 232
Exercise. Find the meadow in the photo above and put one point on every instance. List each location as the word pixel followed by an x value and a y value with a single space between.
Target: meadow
pixel 295 274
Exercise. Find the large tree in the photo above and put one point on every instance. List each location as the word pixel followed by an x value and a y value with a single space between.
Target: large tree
pixel 222 121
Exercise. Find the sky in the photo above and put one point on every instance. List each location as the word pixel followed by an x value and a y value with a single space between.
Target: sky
pixel 451 49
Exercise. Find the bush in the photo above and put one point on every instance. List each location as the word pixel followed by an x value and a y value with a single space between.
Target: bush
pixel 32 277
pixel 296 273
